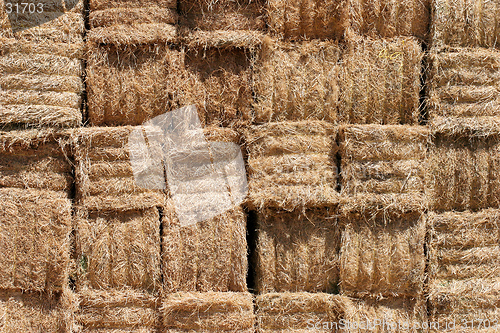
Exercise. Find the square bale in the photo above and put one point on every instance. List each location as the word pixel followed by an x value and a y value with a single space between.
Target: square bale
pixel 292 164
pixel 35 227
pixel 297 251
pixel 380 81
pixel 296 81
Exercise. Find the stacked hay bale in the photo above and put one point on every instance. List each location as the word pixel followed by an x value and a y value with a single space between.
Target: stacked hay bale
pixel 41 66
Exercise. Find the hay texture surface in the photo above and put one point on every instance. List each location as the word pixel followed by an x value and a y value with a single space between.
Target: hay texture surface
pixel 310 19
pixel 296 81
pixel 389 18
pixel 299 312
pixel 117 312
pixel 464 83
pixel 297 251
pixel 380 81
pixel 208 312
pixel 470 23
pixel 292 164
pixel 382 254
pixel 380 160
pixel 464 271
pixel 34 229
pixel 104 174
pixel 206 256
pixel 463 172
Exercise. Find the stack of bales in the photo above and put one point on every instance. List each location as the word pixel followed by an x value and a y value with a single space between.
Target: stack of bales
pixel 41 65
pixel 35 227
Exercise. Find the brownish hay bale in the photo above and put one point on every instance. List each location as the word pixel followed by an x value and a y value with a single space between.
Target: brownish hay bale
pixel 292 164
pixel 35 227
pixel 476 127
pixel 34 312
pixel 118 249
pixel 472 23
pixel 383 159
pixel 206 256
pixel 462 173
pixel 391 18
pixel 104 174
pixel 296 81
pixel 464 83
pixel 117 312
pixel 297 251
pixel 208 312
pixel 299 312
pixel 380 81
pixel 464 272
pixel 382 254
pixel 311 19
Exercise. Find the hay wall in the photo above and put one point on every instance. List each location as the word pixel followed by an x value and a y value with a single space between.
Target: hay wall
pixel 464 269
pixel 463 173
pixel 208 312
pixel 379 160
pixel 117 312
pixel 297 251
pixel 382 253
pixel 35 228
pixel 380 81
pixel 311 19
pixel 292 164
pixel 206 256
pixel 296 81
pixel 471 23
pixel 464 83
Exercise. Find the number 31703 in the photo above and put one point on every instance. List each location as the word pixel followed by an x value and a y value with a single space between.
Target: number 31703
pixel 24 7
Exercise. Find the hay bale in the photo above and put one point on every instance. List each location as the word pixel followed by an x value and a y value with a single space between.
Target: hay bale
pixel 297 251
pixel 34 312
pixel 388 18
pixel 382 253
pixel 464 83
pixel 117 312
pixel 292 164
pixel 380 160
pixel 104 174
pixel 35 227
pixel 312 19
pixel 462 173
pixel 208 312
pixel 470 23
pixel 206 256
pixel 296 81
pixel 464 281
pixel 299 312
pixel 380 81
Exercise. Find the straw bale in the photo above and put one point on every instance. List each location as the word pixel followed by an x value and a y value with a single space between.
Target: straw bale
pixel 296 81
pixel 297 251
pixel 380 81
pixel 475 127
pixel 464 83
pixel 299 312
pixel 292 164
pixel 104 174
pixel 208 312
pixel 117 312
pixel 470 23
pixel 462 173
pixel 382 254
pixel 312 19
pixel 34 227
pixel 464 270
pixel 391 18
pixel 379 159
pixel 206 256
pixel 33 312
